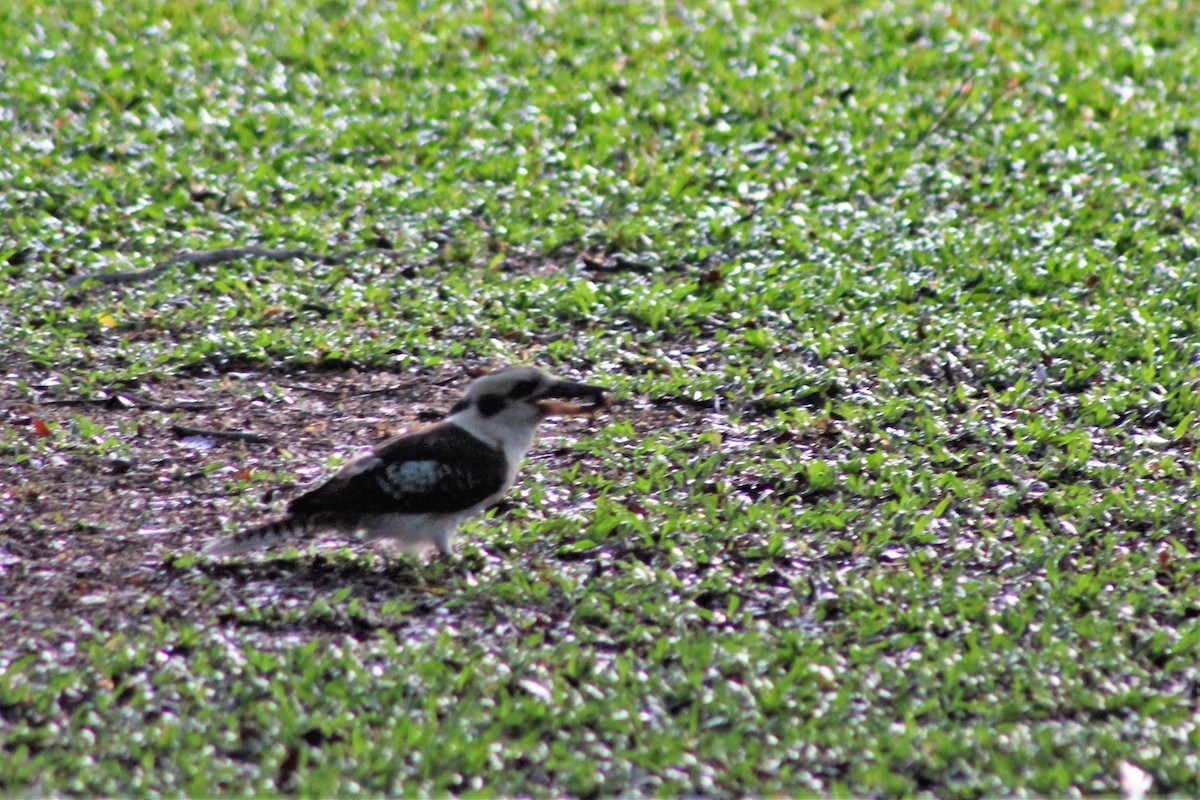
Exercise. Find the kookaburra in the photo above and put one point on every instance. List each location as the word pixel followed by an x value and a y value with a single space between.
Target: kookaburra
pixel 417 488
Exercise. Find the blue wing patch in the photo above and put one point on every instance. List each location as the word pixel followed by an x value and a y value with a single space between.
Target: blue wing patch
pixel 410 478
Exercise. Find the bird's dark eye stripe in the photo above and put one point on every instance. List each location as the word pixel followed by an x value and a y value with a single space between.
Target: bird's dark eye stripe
pixel 523 388
pixel 461 405
pixel 491 404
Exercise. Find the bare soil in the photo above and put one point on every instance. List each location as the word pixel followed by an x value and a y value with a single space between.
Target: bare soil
pixel 93 540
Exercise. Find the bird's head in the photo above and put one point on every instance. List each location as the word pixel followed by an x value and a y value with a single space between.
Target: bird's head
pixel 519 398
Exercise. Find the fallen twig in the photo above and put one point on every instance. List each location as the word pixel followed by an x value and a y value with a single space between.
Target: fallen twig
pixel 178 405
pixel 703 403
pixel 343 394
pixel 299 387
pixel 385 390
pixel 987 109
pixel 185 431
pixel 956 101
pixel 208 258
pixel 129 401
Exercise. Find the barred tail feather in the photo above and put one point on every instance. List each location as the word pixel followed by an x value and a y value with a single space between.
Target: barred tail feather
pixel 265 535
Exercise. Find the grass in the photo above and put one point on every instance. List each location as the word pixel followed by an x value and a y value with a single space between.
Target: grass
pixel 899 302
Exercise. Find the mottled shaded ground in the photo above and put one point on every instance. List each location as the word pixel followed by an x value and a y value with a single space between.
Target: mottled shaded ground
pixel 91 541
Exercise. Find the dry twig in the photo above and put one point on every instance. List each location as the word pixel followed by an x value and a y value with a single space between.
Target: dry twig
pixel 208 258
pixel 185 431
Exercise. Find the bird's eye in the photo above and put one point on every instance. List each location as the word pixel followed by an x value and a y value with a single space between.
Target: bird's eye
pixel 523 388
pixel 491 404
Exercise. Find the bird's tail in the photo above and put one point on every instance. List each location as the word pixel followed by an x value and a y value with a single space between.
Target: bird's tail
pixel 265 535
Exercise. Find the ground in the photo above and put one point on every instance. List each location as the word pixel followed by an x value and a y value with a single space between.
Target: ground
pixel 104 537
pixel 897 301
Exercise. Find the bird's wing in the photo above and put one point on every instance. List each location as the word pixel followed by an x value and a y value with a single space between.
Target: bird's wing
pixel 442 469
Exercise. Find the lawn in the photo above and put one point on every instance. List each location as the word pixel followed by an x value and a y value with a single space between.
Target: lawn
pixel 899 304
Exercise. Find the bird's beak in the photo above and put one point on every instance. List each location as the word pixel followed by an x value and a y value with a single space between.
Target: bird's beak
pixel 561 398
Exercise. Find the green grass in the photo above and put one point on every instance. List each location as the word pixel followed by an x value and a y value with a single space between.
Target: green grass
pixel 901 306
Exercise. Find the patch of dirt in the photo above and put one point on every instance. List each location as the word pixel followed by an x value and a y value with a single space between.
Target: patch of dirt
pixel 100 526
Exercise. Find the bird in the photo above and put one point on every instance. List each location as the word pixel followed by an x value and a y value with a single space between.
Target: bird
pixel 415 489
